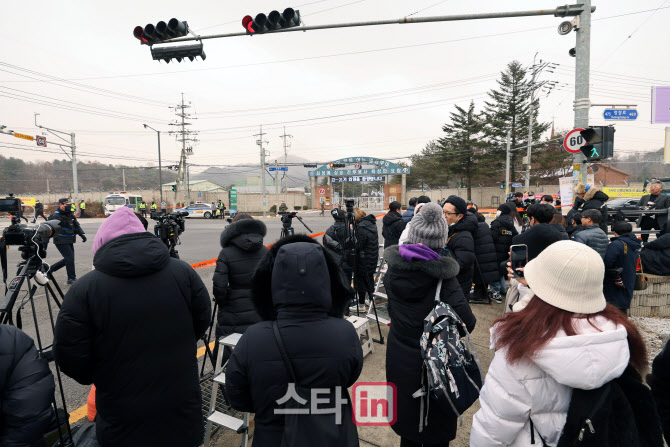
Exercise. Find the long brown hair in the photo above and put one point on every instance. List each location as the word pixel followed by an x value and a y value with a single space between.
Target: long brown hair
pixel 558 218
pixel 526 332
pixel 515 214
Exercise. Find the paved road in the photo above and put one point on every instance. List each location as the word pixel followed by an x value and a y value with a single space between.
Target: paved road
pixel 200 242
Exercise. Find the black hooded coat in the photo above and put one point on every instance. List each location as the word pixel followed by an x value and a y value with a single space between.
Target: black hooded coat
pixel 392 226
pixel 368 244
pixel 655 256
pixel 486 266
pixel 300 285
pixel 131 327
pixel 242 249
pixel 502 232
pixel 411 286
pixel 26 390
pixel 461 244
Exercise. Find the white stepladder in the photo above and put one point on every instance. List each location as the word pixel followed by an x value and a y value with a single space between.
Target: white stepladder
pixel 362 327
pixel 381 271
pixel 241 426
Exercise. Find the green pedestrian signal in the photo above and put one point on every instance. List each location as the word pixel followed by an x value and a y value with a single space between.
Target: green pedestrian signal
pixel 599 143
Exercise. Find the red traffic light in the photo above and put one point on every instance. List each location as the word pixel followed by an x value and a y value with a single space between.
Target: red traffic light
pixel 247 21
pixel 138 32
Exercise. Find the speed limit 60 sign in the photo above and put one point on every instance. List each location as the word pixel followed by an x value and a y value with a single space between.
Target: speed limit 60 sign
pixel 573 141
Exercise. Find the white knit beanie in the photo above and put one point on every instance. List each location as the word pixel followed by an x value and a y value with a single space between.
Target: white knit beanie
pixel 568 275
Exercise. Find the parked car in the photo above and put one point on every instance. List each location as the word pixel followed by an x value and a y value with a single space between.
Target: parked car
pixel 624 204
pixel 198 210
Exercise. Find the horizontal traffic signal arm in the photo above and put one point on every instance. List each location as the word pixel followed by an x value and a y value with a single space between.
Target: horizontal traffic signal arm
pixel 561 11
pixel 151 34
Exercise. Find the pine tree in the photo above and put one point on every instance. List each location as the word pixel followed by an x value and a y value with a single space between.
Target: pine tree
pixel 464 148
pixel 428 168
pixel 508 109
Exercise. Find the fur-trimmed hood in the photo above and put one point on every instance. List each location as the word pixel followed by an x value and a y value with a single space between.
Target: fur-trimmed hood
pixel 329 295
pixel 593 194
pixel 253 230
pixel 580 188
pixel 444 267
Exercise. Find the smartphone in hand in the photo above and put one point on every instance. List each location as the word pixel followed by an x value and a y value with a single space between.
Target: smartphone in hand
pixel 518 259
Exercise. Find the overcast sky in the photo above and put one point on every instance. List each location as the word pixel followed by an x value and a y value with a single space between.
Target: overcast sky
pixel 376 91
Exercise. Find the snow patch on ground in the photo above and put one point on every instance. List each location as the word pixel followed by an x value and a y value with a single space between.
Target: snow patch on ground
pixel 653 330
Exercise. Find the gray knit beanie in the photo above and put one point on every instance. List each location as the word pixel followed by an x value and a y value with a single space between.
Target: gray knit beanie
pixel 429 227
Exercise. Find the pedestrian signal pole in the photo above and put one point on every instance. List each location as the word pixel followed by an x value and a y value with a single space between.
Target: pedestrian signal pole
pixel 582 103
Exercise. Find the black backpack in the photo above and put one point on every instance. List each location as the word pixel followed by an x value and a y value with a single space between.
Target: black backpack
pixel 621 413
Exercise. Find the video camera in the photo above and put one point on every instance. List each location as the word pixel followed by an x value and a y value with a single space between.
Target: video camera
pixel 169 227
pixel 287 217
pixel 287 221
pixel 17 234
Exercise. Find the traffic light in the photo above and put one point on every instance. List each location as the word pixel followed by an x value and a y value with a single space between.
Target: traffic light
pixel 599 143
pixel 502 186
pixel 336 165
pixel 263 23
pixel 168 53
pixel 151 34
pixel 174 188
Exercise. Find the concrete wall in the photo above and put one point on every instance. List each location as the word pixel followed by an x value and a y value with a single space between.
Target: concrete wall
pixel 655 300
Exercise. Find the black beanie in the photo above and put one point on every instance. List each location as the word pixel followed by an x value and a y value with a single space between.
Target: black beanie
pixel 458 203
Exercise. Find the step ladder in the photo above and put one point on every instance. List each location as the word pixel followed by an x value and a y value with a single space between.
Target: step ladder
pixel 240 426
pixel 362 327
pixel 381 271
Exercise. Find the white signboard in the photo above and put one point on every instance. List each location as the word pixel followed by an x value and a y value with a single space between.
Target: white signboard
pixel 566 190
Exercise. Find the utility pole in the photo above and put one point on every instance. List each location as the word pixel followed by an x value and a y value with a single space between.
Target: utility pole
pixel 582 102
pixel 123 173
pixel 160 167
pixel 263 154
pixel 534 86
pixel 72 155
pixel 287 144
pixel 277 185
pixel 507 167
pixel 182 192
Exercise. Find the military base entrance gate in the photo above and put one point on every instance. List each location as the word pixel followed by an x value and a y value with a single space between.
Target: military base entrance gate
pixel 358 169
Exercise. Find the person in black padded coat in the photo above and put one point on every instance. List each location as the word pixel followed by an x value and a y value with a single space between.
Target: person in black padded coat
pixel 486 265
pixel 26 391
pixel 299 285
pixel 460 242
pixel 368 253
pixel 241 249
pixel 131 327
pixel 414 269
pixel 502 232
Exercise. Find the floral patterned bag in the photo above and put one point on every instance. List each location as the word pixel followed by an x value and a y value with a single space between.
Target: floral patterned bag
pixel 452 375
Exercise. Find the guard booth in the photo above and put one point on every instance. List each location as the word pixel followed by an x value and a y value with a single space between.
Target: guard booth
pixel 359 169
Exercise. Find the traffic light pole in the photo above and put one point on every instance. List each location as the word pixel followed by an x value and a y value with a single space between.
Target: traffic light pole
pixel 73 156
pixel 582 103
pixel 561 11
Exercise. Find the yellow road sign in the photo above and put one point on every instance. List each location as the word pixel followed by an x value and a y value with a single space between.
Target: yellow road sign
pixel 25 137
pixel 30 201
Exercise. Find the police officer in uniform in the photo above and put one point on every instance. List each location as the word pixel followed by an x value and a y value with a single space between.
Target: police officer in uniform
pixel 153 207
pixel 143 209
pixel 222 209
pixel 65 240
pixel 82 207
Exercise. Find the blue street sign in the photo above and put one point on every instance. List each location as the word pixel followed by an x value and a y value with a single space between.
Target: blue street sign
pixel 516 185
pixel 280 168
pixel 620 114
pixel 199 194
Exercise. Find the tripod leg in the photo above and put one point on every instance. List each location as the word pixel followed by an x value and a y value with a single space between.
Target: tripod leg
pixel 208 352
pixel 374 308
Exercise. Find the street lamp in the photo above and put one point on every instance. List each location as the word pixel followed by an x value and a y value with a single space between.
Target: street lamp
pixel 160 170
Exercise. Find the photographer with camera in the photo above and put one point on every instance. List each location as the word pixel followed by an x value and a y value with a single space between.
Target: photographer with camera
pixel 336 240
pixel 654 201
pixel 65 240
pixel 131 327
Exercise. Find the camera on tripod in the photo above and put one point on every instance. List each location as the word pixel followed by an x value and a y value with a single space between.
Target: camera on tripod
pixel 287 223
pixel 22 235
pixel 169 227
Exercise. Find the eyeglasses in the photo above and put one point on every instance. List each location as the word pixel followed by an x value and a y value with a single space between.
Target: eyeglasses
pixel 447 213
